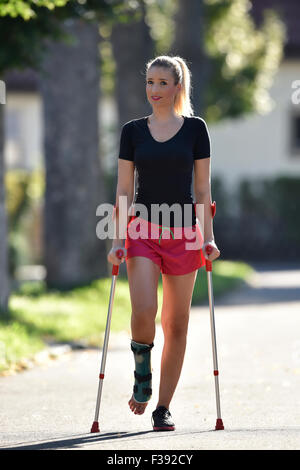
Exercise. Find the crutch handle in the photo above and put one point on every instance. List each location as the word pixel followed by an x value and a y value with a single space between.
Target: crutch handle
pixel 213 209
pixel 208 248
pixel 115 269
pixel 208 263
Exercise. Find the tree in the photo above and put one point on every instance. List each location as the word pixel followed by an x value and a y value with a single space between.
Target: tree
pixel 24 8
pixel 4 276
pixel 233 63
pixel 8 9
pixel 189 40
pixel 130 81
pixel 26 26
pixel 74 184
pixel 243 59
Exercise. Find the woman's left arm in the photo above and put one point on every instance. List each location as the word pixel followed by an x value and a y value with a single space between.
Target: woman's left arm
pixel 202 190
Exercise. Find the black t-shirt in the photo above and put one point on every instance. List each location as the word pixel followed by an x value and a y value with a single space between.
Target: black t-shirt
pixel 165 169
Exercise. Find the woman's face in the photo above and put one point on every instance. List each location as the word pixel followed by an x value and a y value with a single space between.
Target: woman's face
pixel 160 83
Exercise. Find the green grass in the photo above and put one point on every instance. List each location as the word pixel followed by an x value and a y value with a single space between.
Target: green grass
pixel 227 275
pixel 37 316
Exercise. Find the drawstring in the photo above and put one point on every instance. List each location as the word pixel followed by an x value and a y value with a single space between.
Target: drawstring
pixel 165 228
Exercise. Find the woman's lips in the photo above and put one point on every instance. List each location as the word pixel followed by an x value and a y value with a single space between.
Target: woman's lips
pixel 156 98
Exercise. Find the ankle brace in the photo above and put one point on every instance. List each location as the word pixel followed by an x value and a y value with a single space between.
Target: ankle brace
pixel 142 389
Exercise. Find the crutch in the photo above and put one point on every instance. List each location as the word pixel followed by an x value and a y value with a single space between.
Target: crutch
pixel 115 271
pixel 208 249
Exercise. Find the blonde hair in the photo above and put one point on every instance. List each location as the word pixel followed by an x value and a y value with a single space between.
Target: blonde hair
pixel 181 74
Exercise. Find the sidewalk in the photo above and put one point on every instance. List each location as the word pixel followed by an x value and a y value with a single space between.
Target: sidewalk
pixel 52 406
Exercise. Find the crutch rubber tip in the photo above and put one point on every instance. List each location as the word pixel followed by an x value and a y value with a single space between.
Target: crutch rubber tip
pixel 95 427
pixel 219 425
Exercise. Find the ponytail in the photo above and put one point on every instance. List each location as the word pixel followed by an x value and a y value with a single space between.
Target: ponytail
pixel 183 103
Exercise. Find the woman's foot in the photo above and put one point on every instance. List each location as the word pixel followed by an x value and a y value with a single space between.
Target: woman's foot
pixel 137 408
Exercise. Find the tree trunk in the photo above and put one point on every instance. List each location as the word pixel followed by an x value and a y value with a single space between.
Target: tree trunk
pixel 189 44
pixel 4 275
pixel 132 47
pixel 70 86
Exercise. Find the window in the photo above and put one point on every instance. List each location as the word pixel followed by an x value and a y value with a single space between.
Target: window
pixel 295 135
pixel 13 150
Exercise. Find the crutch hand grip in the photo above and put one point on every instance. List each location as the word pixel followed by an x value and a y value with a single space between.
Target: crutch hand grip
pixel 115 269
pixel 208 263
pixel 209 248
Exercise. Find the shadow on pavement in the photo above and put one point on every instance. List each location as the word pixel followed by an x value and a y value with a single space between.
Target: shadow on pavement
pixel 76 441
pixel 94 439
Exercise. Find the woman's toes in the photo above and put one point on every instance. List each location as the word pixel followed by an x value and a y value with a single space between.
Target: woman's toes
pixel 137 408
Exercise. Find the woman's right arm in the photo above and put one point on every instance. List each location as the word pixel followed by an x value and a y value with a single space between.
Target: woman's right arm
pixel 125 188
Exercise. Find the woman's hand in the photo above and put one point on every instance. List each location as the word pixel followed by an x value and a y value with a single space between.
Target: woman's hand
pixel 112 255
pixel 215 252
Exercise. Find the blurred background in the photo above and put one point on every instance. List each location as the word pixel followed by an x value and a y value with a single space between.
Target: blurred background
pixel 73 72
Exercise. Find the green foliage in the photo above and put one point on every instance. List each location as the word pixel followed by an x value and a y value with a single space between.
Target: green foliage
pixel 227 275
pixel 72 315
pixel 160 19
pixel 17 343
pixel 25 9
pixel 243 59
pixel 28 38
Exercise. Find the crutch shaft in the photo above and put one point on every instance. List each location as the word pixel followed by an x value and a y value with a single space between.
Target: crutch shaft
pixel 214 343
pixel 115 272
pixel 219 423
pixel 105 347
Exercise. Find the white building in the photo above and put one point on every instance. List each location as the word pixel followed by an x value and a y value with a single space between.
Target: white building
pixel 268 145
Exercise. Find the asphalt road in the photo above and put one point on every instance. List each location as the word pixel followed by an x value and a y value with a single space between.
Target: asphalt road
pixel 52 406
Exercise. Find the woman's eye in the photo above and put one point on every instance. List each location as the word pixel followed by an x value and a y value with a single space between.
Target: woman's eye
pixel 150 81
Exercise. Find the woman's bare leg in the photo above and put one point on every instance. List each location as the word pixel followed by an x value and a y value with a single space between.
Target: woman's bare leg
pixel 177 297
pixel 143 276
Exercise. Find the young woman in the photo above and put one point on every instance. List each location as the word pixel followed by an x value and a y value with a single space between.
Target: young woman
pixel 164 148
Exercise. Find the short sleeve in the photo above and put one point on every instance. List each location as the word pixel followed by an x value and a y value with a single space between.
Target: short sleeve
pixel 126 150
pixel 202 147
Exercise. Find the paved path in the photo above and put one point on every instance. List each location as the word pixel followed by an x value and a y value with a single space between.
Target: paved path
pixel 52 406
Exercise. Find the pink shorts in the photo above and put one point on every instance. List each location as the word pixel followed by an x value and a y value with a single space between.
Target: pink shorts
pixel 176 250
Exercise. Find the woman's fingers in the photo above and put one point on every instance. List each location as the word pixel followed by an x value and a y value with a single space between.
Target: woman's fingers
pixel 213 253
pixel 113 258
